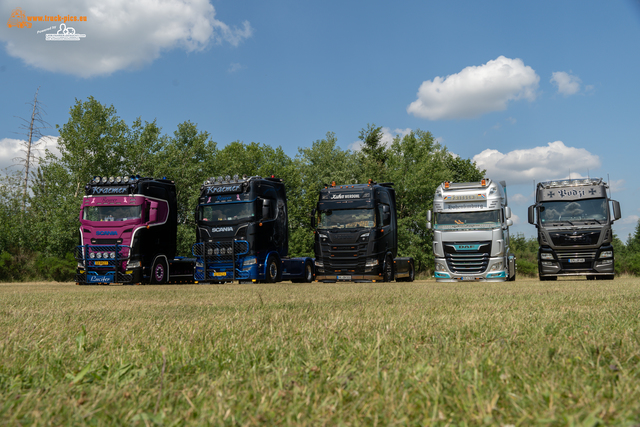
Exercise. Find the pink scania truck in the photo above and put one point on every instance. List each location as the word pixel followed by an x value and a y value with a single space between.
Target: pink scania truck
pixel 128 231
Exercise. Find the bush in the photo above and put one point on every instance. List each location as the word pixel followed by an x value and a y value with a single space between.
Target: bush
pixel 55 268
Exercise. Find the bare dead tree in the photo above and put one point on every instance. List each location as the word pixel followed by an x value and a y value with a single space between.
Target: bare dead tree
pixel 32 129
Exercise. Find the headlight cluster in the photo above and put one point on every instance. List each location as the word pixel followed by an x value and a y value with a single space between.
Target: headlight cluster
pixel 220 251
pixel 117 179
pixel 225 180
pixel 102 255
pixel 606 254
pixel 497 266
pixel 545 255
pixel 440 267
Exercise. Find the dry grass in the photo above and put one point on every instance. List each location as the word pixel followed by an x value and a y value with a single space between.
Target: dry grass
pixel 423 353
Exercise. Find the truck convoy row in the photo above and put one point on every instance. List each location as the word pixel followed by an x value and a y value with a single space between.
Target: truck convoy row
pixel 129 226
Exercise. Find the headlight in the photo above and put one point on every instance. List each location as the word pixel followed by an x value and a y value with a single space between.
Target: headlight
pixel 365 235
pixel 606 254
pixel 372 262
pixel 250 260
pixel 210 251
pixel 322 236
pixel 319 264
pixel 199 264
pixel 440 267
pixel 92 255
pixel 112 255
pixel 98 255
pixel 81 265
pixel 216 251
pixel 545 255
pixel 133 264
pixel 496 267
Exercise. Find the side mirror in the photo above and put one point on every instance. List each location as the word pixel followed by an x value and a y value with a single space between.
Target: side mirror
pixel 153 211
pixel 428 220
pixel 507 212
pixel 509 222
pixel 532 214
pixel 266 208
pixel 313 218
pixel 616 210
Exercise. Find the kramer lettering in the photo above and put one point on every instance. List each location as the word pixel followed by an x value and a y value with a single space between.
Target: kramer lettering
pixel 109 190
pixel 223 189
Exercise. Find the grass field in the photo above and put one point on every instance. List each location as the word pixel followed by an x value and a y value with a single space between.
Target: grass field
pixel 422 353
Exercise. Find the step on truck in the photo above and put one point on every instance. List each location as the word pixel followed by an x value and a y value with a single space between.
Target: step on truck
pixel 243 233
pixel 128 231
pixel 471 232
pixel 356 235
pixel 574 219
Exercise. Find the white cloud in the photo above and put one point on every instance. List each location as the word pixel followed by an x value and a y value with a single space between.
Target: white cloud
pixel 120 34
pixel 517 199
pixel 515 218
pixel 630 220
pixel 617 185
pixel 553 161
pixel 567 84
pixel 388 136
pixel 12 148
pixel 476 90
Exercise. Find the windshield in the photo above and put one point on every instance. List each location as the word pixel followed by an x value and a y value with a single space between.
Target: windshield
pixel 346 218
pixel 575 210
pixel 467 220
pixel 226 212
pixel 111 213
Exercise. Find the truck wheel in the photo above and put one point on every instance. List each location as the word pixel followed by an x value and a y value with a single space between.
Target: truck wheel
pixel 387 274
pixel 159 272
pixel 308 272
pixel 273 270
pixel 412 274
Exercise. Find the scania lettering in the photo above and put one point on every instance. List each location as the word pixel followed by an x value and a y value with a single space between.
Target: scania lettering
pixel 471 232
pixel 574 218
pixel 130 238
pixel 356 235
pixel 243 233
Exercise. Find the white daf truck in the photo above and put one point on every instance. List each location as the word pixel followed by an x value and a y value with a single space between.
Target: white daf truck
pixel 471 232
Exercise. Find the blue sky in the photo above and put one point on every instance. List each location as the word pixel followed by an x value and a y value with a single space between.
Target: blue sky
pixel 531 90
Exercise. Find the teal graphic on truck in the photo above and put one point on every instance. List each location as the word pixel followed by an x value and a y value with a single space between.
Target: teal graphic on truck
pixel 470 223
pixel 574 218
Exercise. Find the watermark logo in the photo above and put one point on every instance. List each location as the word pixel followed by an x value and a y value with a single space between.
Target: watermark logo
pixel 65 34
pixel 18 19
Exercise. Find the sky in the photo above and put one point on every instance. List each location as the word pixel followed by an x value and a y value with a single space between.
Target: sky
pixel 531 91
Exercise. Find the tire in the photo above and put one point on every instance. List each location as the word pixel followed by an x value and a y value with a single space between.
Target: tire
pixel 308 272
pixel 412 273
pixel 159 272
pixel 273 270
pixel 387 273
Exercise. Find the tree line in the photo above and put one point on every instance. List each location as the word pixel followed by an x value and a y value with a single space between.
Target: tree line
pixel 38 236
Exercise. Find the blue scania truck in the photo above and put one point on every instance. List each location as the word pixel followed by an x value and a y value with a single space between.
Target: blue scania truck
pixel 243 233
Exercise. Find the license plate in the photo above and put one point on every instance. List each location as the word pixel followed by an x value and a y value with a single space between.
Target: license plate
pixel 102 262
pixel 219 274
pixel 344 277
pixel 574 260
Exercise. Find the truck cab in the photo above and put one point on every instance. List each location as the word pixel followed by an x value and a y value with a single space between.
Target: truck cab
pixel 128 232
pixel 574 219
pixel 243 232
pixel 470 225
pixel 356 234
